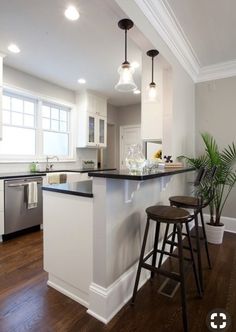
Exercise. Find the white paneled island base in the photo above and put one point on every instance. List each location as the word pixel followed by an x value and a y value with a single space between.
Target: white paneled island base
pixel 68 243
pixel 92 244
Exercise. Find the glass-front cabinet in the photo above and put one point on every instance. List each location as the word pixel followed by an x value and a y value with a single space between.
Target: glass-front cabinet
pixel 102 131
pixel 91 130
pixel 92 120
pixel 97 131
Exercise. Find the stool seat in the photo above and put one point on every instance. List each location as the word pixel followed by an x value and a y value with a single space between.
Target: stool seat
pixel 186 201
pixel 167 213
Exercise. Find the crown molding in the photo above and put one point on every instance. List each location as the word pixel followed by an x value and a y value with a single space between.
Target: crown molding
pixel 163 19
pixel 217 71
pixel 161 16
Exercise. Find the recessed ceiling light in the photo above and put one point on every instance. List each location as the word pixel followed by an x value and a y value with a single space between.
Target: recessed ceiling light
pixel 72 13
pixel 81 81
pixel 135 64
pixel 13 48
pixel 137 92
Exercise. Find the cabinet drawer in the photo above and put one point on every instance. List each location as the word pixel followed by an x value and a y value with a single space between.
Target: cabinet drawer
pixel 1 222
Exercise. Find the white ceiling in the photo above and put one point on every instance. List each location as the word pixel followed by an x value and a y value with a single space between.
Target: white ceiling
pixel 209 26
pixel 62 51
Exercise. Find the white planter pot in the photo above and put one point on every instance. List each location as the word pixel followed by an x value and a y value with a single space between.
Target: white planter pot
pixel 215 233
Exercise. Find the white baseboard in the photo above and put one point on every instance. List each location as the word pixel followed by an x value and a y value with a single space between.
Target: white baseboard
pixel 68 290
pixel 230 223
pixel 104 303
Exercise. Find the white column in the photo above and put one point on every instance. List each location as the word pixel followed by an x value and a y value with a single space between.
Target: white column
pixel 118 227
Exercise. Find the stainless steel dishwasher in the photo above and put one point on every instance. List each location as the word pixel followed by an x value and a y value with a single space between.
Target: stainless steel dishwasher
pixel 17 214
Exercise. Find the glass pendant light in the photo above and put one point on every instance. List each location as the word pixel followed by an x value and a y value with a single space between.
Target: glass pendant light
pixel 126 81
pixel 152 89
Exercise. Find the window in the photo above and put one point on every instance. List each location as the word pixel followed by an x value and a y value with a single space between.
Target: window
pixel 34 128
pixel 18 116
pixel 55 124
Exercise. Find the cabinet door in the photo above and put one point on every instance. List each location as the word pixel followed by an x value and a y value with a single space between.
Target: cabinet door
pixel 102 131
pixel 101 107
pixel 91 104
pixel 92 130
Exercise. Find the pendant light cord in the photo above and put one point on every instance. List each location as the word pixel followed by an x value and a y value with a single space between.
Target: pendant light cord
pixel 126 46
pixel 152 69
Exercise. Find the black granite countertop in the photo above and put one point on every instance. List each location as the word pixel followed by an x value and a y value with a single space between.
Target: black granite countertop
pixel 19 175
pixel 77 170
pixel 81 188
pixel 44 173
pixel 126 175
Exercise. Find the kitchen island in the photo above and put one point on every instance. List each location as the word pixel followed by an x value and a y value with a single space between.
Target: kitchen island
pixel 92 242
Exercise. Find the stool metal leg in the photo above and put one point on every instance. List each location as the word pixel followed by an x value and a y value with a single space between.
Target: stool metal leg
pixel 163 245
pixel 173 239
pixel 193 260
pixel 199 259
pixel 182 277
pixel 140 260
pixel 154 257
pixel 205 239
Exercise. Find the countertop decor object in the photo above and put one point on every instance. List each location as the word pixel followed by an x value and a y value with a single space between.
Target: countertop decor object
pixel 135 160
pixel 126 82
pixel 88 164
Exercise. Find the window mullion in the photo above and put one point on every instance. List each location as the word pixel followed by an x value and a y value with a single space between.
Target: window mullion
pixel 39 131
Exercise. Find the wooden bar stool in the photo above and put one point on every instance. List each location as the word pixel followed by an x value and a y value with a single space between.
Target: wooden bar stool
pixel 169 216
pixel 196 204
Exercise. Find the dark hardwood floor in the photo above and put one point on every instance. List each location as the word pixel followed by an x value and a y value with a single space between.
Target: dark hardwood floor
pixel 28 304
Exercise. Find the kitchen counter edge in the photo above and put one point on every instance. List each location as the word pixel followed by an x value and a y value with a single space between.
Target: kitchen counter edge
pixel 126 175
pixel 14 175
pixel 80 188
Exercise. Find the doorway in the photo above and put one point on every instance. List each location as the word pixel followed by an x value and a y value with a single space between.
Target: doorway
pixel 129 135
pixel 109 154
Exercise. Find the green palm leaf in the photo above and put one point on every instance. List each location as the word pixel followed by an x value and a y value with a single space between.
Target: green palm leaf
pixel 225 178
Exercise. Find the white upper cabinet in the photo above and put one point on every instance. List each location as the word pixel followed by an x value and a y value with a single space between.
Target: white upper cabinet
pixel 92 120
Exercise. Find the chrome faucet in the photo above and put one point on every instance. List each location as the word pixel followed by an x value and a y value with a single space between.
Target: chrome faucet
pixel 50 166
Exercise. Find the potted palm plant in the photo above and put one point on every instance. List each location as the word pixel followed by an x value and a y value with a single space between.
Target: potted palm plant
pixel 223 183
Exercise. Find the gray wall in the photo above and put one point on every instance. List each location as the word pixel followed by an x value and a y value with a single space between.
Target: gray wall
pixel 19 79
pixel 129 115
pixel 216 114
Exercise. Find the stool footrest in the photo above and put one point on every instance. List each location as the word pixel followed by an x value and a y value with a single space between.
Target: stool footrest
pixel 162 272
pixel 165 253
pixel 176 245
pixel 185 234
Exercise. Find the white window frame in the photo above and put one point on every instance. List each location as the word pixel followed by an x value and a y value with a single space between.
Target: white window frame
pixel 39 100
